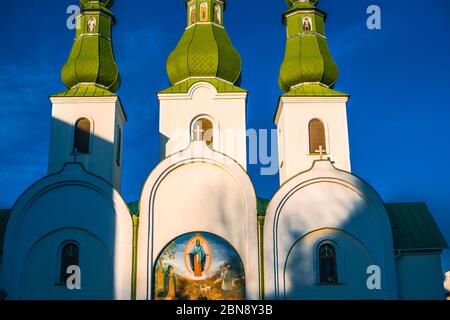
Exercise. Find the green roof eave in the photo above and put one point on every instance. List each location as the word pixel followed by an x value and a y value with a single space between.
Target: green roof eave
pixel 414 228
pixel 303 6
pixel 220 85
pixel 86 91
pixel 314 90
pixel 134 208
pixel 96 7
pixel 291 3
pixel 262 205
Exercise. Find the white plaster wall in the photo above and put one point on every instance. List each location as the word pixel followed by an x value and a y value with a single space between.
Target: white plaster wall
pixel 41 268
pixel 197 191
pixel 302 277
pixel 293 117
pixel 94 214
pixel 227 110
pixel 105 114
pixel 325 197
pixel 420 276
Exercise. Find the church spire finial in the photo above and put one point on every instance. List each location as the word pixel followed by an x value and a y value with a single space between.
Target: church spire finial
pixel 91 62
pixel 307 61
pixel 291 3
pixel 105 3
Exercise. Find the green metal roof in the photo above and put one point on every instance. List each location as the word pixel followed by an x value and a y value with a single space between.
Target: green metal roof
pixel 414 227
pixel 290 3
pixel 86 91
pixel 4 216
pixel 204 51
pixel 262 205
pixel 106 3
pixel 134 208
pixel 301 5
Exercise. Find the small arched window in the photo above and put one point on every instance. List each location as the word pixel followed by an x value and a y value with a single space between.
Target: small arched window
pixel 317 140
pixel 204 131
pixel 119 146
pixel 70 256
pixel 327 264
pixel 82 136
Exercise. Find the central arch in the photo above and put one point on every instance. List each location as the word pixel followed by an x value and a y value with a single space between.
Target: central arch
pixel 199 266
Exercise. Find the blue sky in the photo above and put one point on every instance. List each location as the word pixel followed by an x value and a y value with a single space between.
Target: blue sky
pixel 399 112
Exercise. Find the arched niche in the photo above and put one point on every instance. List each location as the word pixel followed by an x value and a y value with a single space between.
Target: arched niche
pixel 199 266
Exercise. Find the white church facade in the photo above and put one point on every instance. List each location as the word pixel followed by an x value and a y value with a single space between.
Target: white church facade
pixel 199 231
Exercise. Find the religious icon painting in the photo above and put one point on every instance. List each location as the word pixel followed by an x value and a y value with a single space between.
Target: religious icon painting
pixel 218 14
pixel 92 24
pixel 199 266
pixel 192 13
pixel 307 23
pixel 204 12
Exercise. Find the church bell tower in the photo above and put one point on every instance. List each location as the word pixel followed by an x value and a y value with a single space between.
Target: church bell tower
pixel 311 116
pixel 88 118
pixel 204 100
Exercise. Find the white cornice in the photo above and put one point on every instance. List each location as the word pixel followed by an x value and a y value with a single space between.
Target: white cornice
pixel 318 99
pixel 71 100
pixel 304 100
pixel 195 86
pixel 219 95
pixel 200 78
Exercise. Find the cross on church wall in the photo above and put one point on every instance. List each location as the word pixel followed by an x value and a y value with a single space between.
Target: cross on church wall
pixel 321 151
pixel 198 133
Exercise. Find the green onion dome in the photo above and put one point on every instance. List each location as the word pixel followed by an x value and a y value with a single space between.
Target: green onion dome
pixel 204 50
pixel 106 3
pixel 307 59
pixel 91 61
pixel 291 3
